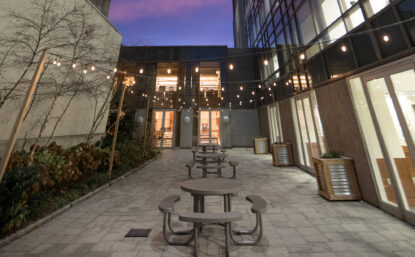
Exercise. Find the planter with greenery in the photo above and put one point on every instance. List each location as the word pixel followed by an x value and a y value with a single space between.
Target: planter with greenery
pixel 336 177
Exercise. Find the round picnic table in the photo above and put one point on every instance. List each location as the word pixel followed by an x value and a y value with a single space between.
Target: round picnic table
pixel 205 147
pixel 199 188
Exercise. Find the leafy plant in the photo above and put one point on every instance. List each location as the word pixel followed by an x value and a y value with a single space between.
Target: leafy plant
pixel 15 190
pixel 331 155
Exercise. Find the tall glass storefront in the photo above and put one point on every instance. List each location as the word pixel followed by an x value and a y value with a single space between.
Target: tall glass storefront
pixel 384 102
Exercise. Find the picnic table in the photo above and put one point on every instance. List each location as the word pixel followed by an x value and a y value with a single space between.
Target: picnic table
pixel 206 147
pixel 199 188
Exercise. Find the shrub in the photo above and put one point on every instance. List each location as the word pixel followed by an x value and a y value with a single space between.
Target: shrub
pixel 331 155
pixel 15 189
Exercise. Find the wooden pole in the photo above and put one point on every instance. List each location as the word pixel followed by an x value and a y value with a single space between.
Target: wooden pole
pixel 146 123
pixel 114 138
pixel 23 111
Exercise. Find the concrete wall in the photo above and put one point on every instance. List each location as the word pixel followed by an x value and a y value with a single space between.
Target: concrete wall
pixel 77 121
pixel 186 129
pixel 244 127
pixel 342 132
pixel 263 124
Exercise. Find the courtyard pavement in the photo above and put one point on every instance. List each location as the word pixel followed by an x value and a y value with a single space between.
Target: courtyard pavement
pixel 298 222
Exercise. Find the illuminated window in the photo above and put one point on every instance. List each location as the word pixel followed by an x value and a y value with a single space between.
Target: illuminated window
pixel 210 79
pixel 374 6
pixel 167 77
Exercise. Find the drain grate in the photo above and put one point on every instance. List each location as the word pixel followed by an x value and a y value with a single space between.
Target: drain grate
pixel 138 233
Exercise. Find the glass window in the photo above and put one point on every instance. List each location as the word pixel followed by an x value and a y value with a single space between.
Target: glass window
pixel 354 18
pixel 335 32
pixel 374 6
pixel 297 132
pixel 395 42
pixel 339 62
pixel 363 47
pixel 167 77
pixel 306 23
pixel 347 4
pixel 318 74
pixel 377 160
pixel 210 84
pixel 275 123
pixel 326 12
pixel 407 11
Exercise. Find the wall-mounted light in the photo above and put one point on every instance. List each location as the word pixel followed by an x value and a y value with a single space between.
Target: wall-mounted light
pixel 266 62
pixel 343 48
pixel 231 66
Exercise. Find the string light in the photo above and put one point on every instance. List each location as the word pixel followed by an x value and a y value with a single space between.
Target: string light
pixel 259 86
pixel 54 62
pixel 197 69
pixel 386 38
pixel 93 68
pixel 115 70
pixel 253 93
pixel 141 71
pixel 302 57
pixel 275 84
pixel 343 48
pixel 231 66
pixel 241 88
pixel 266 62
pixel 59 64
pixel 168 70
pixel 85 71
pixel 108 77
pixel 237 96
pixel 73 65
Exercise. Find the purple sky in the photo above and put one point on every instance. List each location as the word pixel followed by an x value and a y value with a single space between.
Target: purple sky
pixel 173 22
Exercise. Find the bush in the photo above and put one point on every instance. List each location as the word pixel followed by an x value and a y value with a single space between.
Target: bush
pixel 15 189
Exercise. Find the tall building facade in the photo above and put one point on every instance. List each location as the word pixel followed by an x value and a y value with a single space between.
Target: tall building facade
pixel 342 75
pixel 192 94
pixel 102 5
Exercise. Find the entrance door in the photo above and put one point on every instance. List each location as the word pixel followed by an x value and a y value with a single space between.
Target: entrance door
pixel 209 127
pixel 163 128
pixel 308 128
pixel 388 128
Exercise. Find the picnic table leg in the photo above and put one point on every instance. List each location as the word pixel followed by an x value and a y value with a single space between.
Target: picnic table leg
pixel 229 202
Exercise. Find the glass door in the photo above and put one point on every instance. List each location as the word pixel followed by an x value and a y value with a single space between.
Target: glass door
pixel 391 109
pixel 274 121
pixel 163 128
pixel 308 128
pixel 209 127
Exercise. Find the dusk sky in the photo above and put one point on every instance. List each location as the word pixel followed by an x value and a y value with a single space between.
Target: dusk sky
pixel 173 22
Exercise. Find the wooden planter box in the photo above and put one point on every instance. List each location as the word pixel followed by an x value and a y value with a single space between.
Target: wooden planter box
pixel 261 145
pixel 336 178
pixel 282 154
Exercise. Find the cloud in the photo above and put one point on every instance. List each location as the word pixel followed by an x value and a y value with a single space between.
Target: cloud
pixel 129 10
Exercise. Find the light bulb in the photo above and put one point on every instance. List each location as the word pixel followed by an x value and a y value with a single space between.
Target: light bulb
pixel 343 48
pixel 73 65
pixel 253 92
pixel 115 70
pixel 302 56
pixel 259 86
pixel 231 66
pixel 223 89
pixel 269 89
pixel 266 62
pixel 93 68
pixel 141 71
pixel 108 77
pixel 59 64
pixel 168 71
pixel 275 84
pixel 241 88
pixel 55 62
pixel 85 71
pixel 237 96
pixel 386 38
pixel 197 69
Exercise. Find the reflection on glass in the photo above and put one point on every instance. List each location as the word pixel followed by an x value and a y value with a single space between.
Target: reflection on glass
pixel 297 132
pixel 158 127
pixel 215 127
pixel 275 124
pixel 168 129
pixel 312 147
pixel 303 131
pixel 167 77
pixel 374 6
pixel 391 132
pixel 204 127
pixel 405 91
pixel 319 125
pixel 377 161
pixel 355 18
